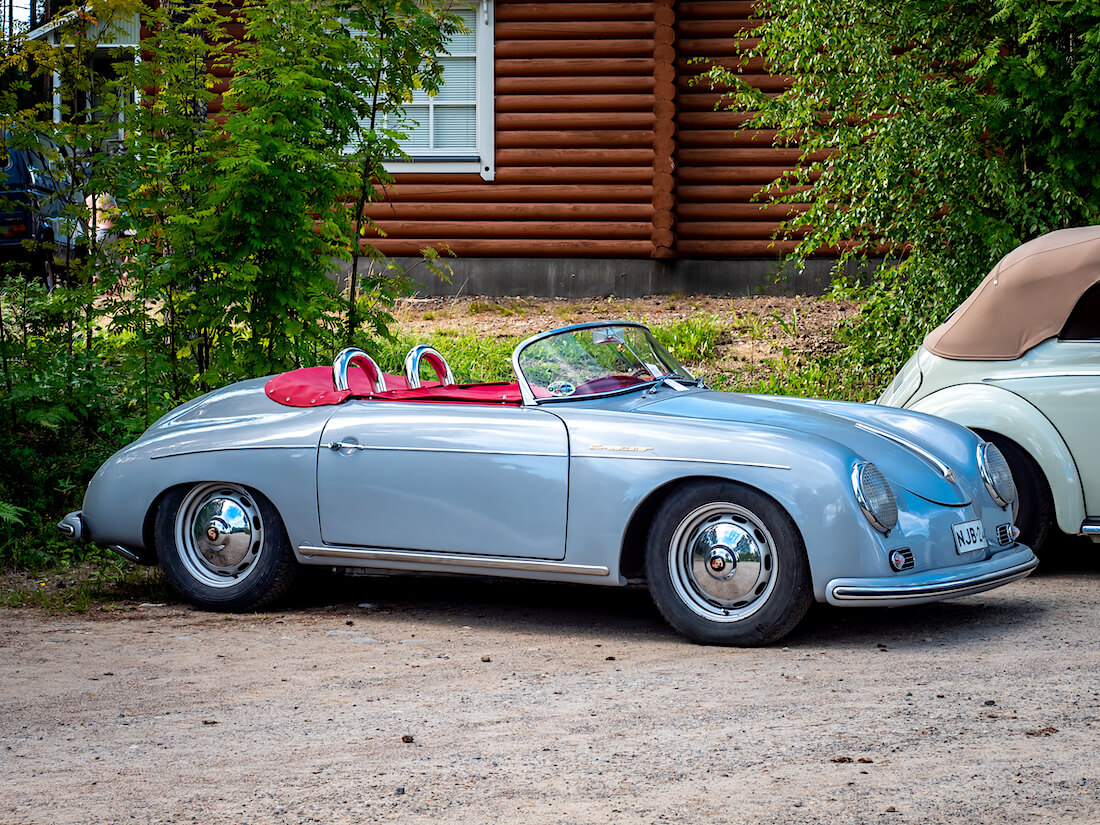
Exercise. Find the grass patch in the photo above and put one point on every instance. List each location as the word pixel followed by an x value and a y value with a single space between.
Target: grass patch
pixel 694 341
pixel 103 581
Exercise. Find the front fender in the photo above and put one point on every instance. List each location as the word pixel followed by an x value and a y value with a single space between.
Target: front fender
pixel 984 407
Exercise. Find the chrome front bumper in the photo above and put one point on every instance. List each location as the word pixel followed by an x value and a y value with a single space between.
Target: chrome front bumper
pixel 1004 567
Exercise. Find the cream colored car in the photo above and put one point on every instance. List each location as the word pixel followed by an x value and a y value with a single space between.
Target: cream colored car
pixel 1019 363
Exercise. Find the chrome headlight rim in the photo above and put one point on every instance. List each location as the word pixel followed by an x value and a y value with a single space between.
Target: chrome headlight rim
pixel 986 465
pixel 883 521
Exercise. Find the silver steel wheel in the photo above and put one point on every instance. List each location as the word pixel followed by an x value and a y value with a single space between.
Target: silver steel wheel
pixel 722 562
pixel 219 534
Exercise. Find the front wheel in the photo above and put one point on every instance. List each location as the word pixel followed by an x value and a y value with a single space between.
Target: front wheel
pixel 1035 505
pixel 223 547
pixel 726 565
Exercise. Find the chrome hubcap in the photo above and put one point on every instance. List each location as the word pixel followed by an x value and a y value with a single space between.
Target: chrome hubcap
pixel 722 562
pixel 219 533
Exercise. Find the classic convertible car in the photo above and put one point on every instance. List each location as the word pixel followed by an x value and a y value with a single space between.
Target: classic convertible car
pixel 1019 363
pixel 604 462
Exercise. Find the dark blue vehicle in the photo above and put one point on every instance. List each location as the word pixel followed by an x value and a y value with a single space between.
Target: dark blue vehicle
pixel 40 224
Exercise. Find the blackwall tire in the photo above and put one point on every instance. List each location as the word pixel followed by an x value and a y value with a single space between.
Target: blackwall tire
pixel 1035 515
pixel 223 547
pixel 726 565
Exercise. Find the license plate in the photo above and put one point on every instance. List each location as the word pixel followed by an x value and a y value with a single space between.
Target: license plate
pixel 969 536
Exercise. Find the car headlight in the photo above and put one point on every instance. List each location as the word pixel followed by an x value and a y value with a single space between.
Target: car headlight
pixel 996 474
pixel 875 496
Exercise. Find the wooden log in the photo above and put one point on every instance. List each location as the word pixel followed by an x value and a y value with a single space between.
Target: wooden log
pixel 571 121
pixel 691 138
pixel 738 211
pixel 716 47
pixel 494 192
pixel 709 9
pixel 711 120
pixel 687 66
pixel 574 29
pixel 574 174
pixel 513 12
pixel 511 211
pixel 514 49
pixel 713 193
pixel 527 66
pixel 738 156
pixel 725 230
pixel 728 174
pixel 727 29
pixel 574 139
pixel 734 249
pixel 512 248
pixel 699 100
pixel 574 157
pixel 577 102
pixel 765 82
pixel 662 239
pixel 586 84
pixel 602 230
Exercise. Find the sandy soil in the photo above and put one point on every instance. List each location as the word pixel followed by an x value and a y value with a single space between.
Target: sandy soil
pixel 753 329
pixel 463 701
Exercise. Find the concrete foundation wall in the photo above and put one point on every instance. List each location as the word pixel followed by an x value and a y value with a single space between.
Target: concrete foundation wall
pixel 588 277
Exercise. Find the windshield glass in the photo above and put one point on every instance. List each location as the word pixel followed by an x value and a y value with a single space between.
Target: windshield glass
pixel 593 359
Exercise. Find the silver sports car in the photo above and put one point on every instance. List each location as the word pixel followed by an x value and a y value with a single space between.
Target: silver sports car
pixel 604 462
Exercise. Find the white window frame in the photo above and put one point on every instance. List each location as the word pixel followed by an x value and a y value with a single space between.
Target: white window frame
pixel 484 161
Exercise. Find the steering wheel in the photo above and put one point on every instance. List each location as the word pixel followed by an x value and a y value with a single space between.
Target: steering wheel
pixel 424 352
pixel 354 355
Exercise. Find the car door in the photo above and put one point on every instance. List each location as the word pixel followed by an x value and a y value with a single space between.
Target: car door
pixel 450 478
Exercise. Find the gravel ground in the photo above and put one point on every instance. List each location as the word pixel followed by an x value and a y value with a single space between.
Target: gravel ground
pixel 462 701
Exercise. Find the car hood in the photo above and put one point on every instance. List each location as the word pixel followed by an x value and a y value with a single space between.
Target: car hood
pixel 914 451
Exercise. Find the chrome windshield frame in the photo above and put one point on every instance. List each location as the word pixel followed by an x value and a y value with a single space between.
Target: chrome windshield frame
pixel 528 395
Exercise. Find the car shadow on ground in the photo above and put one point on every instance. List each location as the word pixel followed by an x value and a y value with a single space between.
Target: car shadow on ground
pixel 628 613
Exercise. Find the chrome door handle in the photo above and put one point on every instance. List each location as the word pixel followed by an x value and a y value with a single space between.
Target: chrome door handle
pixel 336 446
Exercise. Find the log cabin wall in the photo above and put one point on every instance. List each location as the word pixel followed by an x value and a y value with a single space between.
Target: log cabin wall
pixel 574 144
pixel 610 160
pixel 720 170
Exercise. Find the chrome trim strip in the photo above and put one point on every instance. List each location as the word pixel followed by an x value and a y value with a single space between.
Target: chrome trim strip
pixel 1090 528
pixel 340 445
pixel 901 592
pixel 454 560
pixel 648 457
pixel 947 472
pixel 235 448
pixel 1041 374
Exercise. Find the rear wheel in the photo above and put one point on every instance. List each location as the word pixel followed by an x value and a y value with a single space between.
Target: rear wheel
pixel 1035 514
pixel 726 565
pixel 223 547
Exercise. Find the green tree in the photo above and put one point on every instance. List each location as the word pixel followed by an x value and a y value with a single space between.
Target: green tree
pixel 937 133
pixel 236 221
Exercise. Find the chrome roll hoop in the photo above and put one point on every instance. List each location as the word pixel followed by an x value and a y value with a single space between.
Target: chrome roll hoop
pixel 424 352
pixel 353 355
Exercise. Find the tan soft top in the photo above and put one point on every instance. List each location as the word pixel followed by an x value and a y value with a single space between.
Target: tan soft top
pixel 1025 299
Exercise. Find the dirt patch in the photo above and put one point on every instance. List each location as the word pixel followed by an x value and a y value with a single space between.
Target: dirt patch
pixel 752 329
pixel 469 701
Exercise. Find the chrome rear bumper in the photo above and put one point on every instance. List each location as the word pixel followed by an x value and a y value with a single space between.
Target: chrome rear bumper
pixel 73 528
pixel 933 586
